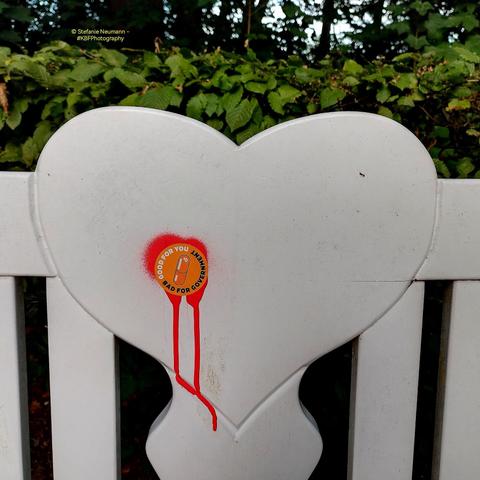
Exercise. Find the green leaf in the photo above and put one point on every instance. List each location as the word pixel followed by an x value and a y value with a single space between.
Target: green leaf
pixel 271 83
pixel 352 67
pixel 458 104
pixel 221 80
pixel 11 153
pixel 129 79
pixel 306 74
pixel 30 151
pixel 473 43
pixel 85 70
pixel 290 9
pixel 404 56
pixel 196 106
pixel 383 95
pixel 280 97
pixel 53 107
pixel 288 93
pixel 473 133
pixel 232 99
pixel 435 24
pixel 465 167
pixel 215 123
pixel 267 122
pixel 467 54
pixel 406 80
pixel 350 81
pixel 213 102
pixel 151 60
pixel 462 92
pixel 256 87
pixel 240 115
pixel 25 65
pixel 406 101
pixel 276 103
pixel 181 67
pixel 160 98
pixel 441 168
pixel 41 134
pixel 4 54
pixel 330 96
pixel 247 133
pixel 113 57
pixel 72 99
pixel 421 7
pixel 15 115
pixel 131 100
pixel 417 43
pixel 386 112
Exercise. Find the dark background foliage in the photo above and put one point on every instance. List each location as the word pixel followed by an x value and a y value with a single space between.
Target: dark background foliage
pixel 240 66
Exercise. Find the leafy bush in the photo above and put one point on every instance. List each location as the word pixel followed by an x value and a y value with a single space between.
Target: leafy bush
pixel 435 94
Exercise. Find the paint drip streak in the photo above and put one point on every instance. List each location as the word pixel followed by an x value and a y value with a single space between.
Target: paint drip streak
pixel 153 250
pixel 176 357
pixel 211 409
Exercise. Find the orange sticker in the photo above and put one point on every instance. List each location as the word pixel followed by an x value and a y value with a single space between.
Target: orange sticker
pixel 181 269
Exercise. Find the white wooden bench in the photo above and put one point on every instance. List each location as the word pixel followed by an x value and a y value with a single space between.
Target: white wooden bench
pixel 311 234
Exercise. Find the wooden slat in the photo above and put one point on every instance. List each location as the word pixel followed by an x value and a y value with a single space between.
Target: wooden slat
pixel 384 392
pixel 85 433
pixel 454 251
pixel 457 454
pixel 22 251
pixel 14 439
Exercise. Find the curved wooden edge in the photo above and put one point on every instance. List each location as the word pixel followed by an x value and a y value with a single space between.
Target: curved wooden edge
pixel 22 250
pixel 454 250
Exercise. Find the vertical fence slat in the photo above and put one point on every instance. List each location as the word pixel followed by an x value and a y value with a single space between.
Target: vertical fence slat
pixel 384 392
pixel 83 386
pixel 14 439
pixel 457 454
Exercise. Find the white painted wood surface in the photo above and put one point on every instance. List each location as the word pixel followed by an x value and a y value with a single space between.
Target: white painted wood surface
pixel 384 392
pixel 14 439
pixel 22 251
pixel 83 390
pixel 302 256
pixel 454 251
pixel 287 239
pixel 315 228
pixel 459 422
pixel 278 441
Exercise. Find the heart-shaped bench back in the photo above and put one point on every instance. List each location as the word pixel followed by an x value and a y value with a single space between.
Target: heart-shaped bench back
pixel 313 229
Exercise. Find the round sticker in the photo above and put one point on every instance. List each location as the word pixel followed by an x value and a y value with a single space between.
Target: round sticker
pixel 181 269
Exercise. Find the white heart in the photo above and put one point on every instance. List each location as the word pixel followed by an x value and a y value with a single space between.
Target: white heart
pixel 314 229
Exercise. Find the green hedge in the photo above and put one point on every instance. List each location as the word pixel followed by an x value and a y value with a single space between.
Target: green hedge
pixel 435 94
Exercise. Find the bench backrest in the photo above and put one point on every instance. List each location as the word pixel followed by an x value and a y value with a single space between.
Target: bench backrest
pixel 236 268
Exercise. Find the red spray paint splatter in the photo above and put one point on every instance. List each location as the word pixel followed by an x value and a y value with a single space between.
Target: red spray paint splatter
pixel 154 248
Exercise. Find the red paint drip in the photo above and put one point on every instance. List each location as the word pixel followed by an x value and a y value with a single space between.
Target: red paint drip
pixel 195 303
pixel 175 301
pixel 154 248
